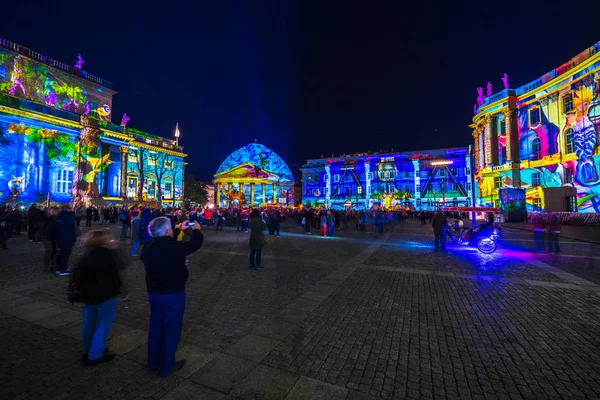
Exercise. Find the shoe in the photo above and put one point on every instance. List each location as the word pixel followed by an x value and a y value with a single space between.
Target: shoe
pixel 259 267
pixel 65 273
pixel 178 365
pixel 85 355
pixel 31 241
pixel 252 267
pixel 57 272
pixel 104 359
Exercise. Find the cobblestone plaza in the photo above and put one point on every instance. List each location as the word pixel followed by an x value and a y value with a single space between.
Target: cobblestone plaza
pixel 359 316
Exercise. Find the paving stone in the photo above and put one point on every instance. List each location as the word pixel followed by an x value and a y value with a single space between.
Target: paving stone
pixel 61 319
pixel 192 391
pixel 127 341
pixel 275 329
pixel 265 383
pixel 311 389
pixel 253 347
pixel 36 315
pixel 7 295
pixel 196 358
pixel 223 373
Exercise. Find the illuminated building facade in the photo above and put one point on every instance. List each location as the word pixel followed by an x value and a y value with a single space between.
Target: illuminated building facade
pixel 543 138
pixel 57 140
pixel 251 176
pixel 421 181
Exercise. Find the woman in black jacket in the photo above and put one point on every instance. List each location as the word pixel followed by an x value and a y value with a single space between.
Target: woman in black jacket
pixel 96 283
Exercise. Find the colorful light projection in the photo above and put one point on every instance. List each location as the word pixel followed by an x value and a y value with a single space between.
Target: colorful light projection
pixel 551 135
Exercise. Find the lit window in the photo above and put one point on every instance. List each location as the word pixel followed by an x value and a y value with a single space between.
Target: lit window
pixel 309 178
pixel 152 161
pixel 169 165
pixel 497 182
pixel 537 204
pixel 469 186
pixel 496 203
pixel 407 174
pixel 567 102
pixel 417 187
pixel 536 149
pixel 467 171
pixel 336 177
pixel 503 127
pixel 392 174
pixel 535 179
pixel 535 116
pixel 64 181
pixel 406 188
pixel 568 175
pixel 370 175
pixel 168 190
pixel 359 190
pixel 132 158
pixel 442 173
pixel 131 187
pixel 454 187
pixel 151 189
pixel 569 141
pixel 392 188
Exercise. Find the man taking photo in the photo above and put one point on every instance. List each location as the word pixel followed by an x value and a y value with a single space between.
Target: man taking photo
pixel 166 275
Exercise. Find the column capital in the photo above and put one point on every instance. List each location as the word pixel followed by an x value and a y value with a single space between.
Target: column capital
pixel 124 149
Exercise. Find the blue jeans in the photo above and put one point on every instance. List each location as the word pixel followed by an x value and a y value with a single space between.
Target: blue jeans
pixel 258 253
pixel 97 321
pixel 166 320
pixel 134 247
pixel 124 230
pixel 330 230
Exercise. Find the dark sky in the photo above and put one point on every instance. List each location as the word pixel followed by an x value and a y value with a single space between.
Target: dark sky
pixel 305 78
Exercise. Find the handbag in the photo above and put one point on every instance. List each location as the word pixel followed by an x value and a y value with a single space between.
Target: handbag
pixel 73 292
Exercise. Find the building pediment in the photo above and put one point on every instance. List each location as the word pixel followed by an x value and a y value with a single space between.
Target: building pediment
pixel 247 170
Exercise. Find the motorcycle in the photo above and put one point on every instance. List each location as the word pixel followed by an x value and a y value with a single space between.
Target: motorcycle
pixel 483 238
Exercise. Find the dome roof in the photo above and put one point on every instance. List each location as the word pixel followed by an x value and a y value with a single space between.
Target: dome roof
pixel 252 154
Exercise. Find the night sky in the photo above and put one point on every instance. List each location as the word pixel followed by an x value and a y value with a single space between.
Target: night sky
pixel 305 78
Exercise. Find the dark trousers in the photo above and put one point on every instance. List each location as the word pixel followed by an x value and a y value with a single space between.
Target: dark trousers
pixel 49 255
pixel 124 230
pixel 219 223
pixel 276 228
pixel 166 320
pixel 62 260
pixel 439 241
pixel 258 253
pixel 32 231
pixel 553 244
pixel 330 230
pixel 307 226
pixel 88 221
pixel 244 225
pixel 539 240
pixel 78 221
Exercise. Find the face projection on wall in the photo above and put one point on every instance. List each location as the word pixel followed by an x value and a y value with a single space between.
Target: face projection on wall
pixel 16 184
pixel 386 171
pixel 584 136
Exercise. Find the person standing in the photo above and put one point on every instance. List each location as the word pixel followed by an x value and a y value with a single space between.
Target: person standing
pixel 275 221
pixel 218 219
pixel 439 223
pixel 257 239
pixel 5 228
pixel 135 233
pixel 50 243
pixel 89 213
pixel 244 218
pixel 553 233
pixel 79 215
pixel 124 217
pixel 539 231
pixel 96 278
pixel 308 216
pixel 166 276
pixel 331 221
pixel 67 233
pixel 323 223
pixel 34 215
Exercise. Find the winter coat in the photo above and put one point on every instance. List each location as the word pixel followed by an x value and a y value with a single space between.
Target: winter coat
pixel 66 229
pixel 96 275
pixel 439 223
pixel 144 222
pixel 135 228
pixel 257 234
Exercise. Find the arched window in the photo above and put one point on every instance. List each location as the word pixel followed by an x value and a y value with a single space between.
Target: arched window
pixel 536 149
pixel 569 141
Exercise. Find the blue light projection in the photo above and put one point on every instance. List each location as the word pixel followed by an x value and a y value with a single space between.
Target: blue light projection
pixel 261 157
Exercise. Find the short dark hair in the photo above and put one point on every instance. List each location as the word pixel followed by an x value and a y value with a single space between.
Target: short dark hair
pixel 255 214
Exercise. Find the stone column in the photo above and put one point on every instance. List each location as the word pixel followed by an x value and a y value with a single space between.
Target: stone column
pixel 218 196
pixel 367 183
pixel 252 194
pixel 507 121
pixel 488 141
pixel 327 185
pixel 124 154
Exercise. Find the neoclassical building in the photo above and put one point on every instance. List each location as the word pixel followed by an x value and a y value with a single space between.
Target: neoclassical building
pixel 251 176
pixel 421 180
pixel 542 138
pixel 57 141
